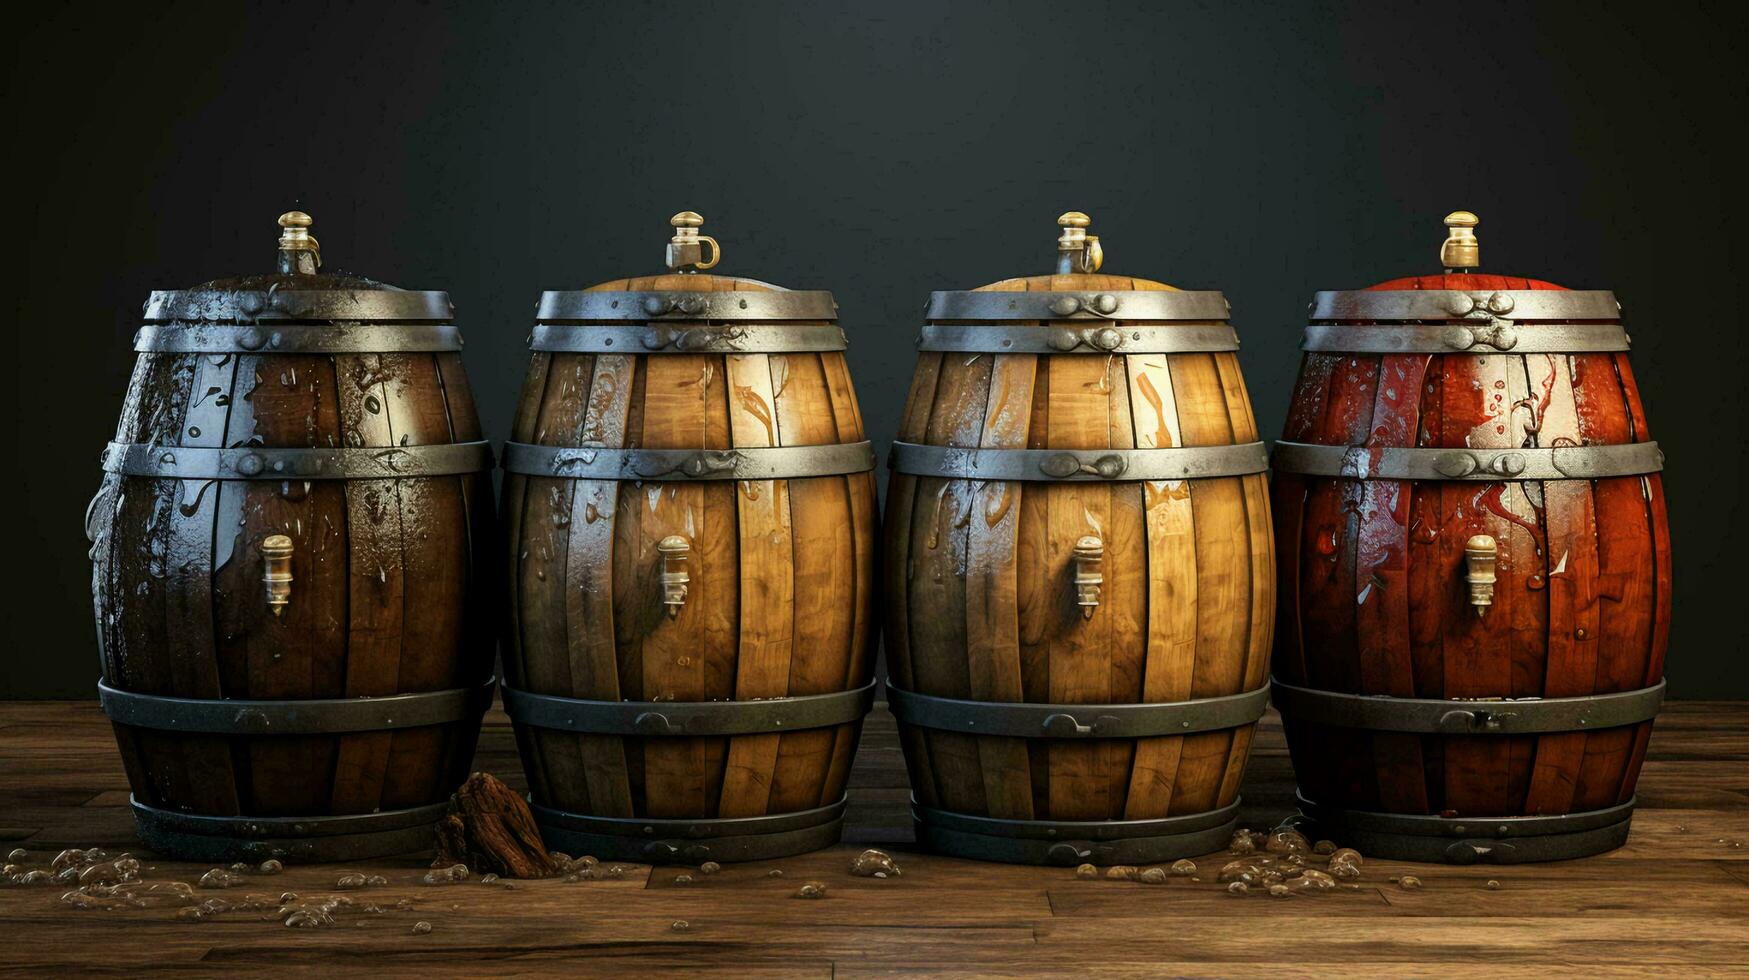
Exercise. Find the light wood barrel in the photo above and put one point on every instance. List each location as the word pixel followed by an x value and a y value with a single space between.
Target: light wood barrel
pixel 1079 564
pixel 691 515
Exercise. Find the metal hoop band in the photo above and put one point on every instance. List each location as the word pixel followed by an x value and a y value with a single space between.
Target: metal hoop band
pixel 1020 720
pixel 1052 465
pixel 1454 717
pixel 1136 338
pixel 671 841
pixel 297 338
pixel 1126 305
pixel 306 840
pixel 1481 305
pixel 266 463
pixel 1421 338
pixel 1074 842
pixel 775 463
pixel 316 716
pixel 750 338
pixel 248 305
pixel 1402 463
pixel 663 718
pixel 1471 840
pixel 778 304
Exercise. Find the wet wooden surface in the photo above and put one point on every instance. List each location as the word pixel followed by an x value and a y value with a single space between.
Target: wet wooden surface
pixel 1675 901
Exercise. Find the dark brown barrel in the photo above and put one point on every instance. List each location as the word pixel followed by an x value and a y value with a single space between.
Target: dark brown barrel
pixel 1475 568
pixel 296 651
pixel 1080 584
pixel 691 518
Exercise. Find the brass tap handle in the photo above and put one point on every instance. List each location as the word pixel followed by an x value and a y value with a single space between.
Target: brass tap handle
pixel 675 549
pixel 1077 251
pixel 1089 555
pixel 687 247
pixel 277 551
pixel 1461 250
pixel 1479 556
pixel 298 249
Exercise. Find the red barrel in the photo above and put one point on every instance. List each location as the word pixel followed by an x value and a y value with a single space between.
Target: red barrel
pixel 1474 567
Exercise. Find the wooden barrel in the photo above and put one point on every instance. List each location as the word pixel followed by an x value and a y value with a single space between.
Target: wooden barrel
pixel 295 651
pixel 1079 570
pixel 691 514
pixel 1475 568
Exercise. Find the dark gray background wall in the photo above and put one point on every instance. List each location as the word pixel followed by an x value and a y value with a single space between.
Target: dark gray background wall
pixel 880 150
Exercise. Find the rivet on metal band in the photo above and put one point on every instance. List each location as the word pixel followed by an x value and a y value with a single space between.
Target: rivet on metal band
pixel 1051 465
pixel 1467 839
pixel 314 716
pixel 773 463
pixel 1066 843
pixel 1138 338
pixel 688 718
pixel 691 841
pixel 1126 305
pixel 1402 463
pixel 201 337
pixel 268 463
pixel 767 305
pixel 1451 338
pixel 731 338
pixel 1518 305
pixel 1517 716
pixel 1020 720
pixel 311 840
pixel 351 305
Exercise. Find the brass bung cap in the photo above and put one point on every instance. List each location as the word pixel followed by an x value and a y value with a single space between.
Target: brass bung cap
pixel 687 247
pixel 1077 251
pixel 294 235
pixel 1461 249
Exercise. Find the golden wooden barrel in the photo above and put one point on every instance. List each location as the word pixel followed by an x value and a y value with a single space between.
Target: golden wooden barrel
pixel 1079 568
pixel 690 508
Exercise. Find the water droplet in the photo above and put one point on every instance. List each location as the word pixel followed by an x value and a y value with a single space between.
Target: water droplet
pixel 421 928
pixel 1409 883
pixel 812 889
pixel 1183 866
pixel 1086 871
pixel 874 863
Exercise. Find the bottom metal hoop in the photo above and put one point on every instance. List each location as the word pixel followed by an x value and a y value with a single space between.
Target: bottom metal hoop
pixel 1073 842
pixel 312 840
pixel 684 841
pixel 1469 840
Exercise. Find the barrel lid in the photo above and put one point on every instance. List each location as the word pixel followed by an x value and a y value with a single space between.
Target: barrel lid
pixel 1077 290
pixel 298 290
pixel 686 292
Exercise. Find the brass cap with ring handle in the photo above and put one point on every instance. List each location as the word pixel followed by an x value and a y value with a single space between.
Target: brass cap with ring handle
pixel 299 251
pixel 1077 251
pixel 687 247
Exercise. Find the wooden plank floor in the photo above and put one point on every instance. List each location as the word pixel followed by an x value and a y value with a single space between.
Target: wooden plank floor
pixel 1675 901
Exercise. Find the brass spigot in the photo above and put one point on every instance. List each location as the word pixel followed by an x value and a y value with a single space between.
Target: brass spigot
pixel 1461 250
pixel 1480 553
pixel 686 248
pixel 276 551
pixel 299 251
pixel 674 550
pixel 1077 251
pixel 1089 556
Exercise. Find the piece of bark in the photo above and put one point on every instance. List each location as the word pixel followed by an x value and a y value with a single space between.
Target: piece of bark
pixel 490 829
